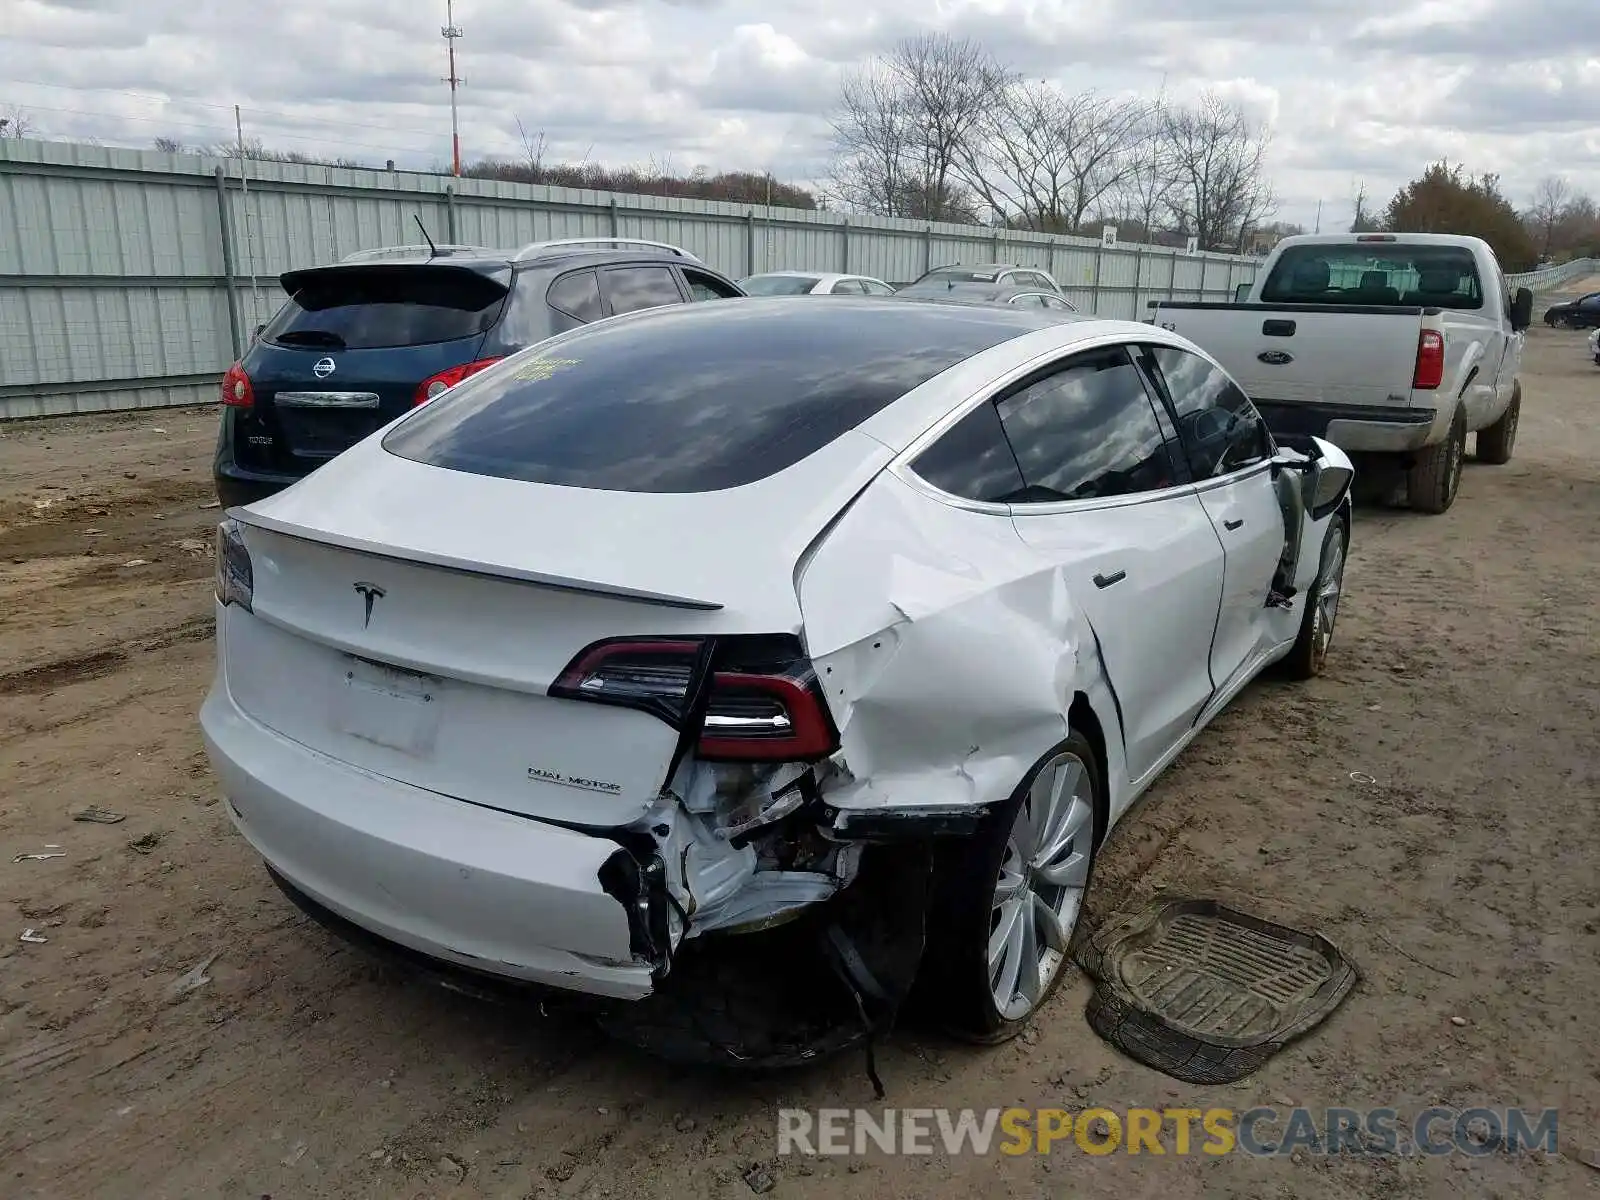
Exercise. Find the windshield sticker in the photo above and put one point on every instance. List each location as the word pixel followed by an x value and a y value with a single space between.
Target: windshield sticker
pixel 537 370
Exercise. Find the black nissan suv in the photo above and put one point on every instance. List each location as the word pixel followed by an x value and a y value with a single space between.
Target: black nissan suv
pixel 358 343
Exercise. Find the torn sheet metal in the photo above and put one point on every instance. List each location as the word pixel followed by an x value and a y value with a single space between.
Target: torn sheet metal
pixel 949 652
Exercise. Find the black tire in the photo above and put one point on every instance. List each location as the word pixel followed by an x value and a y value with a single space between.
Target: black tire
pixel 1496 442
pixel 1435 478
pixel 1309 657
pixel 954 986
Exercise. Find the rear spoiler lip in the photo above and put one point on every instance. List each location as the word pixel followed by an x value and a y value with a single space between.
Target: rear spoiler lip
pixel 293 281
pixel 459 566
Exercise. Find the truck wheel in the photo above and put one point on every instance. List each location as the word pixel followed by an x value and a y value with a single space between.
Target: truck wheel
pixel 1007 899
pixel 1435 478
pixel 1310 654
pixel 1495 443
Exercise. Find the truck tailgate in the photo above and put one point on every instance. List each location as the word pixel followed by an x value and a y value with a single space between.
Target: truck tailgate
pixel 1353 355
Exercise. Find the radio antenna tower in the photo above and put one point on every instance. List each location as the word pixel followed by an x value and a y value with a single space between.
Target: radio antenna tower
pixel 451 32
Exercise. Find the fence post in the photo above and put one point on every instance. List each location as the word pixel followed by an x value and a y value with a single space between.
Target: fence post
pixel 1172 279
pixel 1205 262
pixel 450 213
pixel 225 227
pixel 927 249
pixel 1138 280
pixel 996 240
pixel 1094 289
pixel 750 241
pixel 844 245
pixel 616 227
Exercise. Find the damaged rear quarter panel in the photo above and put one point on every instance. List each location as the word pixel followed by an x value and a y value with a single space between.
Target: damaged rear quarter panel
pixel 949 652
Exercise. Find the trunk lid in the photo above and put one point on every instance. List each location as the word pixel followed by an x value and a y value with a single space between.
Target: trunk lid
pixel 410 620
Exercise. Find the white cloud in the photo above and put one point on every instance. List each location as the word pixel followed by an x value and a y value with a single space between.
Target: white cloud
pixel 1353 89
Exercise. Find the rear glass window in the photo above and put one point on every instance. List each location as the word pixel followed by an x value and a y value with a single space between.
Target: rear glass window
pixel 961 275
pixel 694 398
pixel 1375 273
pixel 780 285
pixel 373 307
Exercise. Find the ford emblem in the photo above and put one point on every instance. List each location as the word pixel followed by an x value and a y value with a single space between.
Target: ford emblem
pixel 1273 358
pixel 324 368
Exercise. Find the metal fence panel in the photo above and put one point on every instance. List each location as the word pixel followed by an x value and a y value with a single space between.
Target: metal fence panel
pixel 129 279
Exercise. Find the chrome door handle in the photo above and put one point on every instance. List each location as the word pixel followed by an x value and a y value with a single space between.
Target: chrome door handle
pixel 1231 525
pixel 1105 581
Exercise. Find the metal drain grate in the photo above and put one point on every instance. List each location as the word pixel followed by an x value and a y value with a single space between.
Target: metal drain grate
pixel 1205 993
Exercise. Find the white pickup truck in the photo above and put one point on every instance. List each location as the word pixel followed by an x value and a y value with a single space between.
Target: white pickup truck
pixel 1391 345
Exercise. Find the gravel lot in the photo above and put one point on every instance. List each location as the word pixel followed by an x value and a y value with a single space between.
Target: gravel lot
pixel 1463 882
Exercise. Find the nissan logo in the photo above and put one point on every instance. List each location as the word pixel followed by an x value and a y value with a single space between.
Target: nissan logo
pixel 324 368
pixel 1276 358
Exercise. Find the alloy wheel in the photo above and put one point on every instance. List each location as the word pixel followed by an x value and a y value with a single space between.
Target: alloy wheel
pixel 1330 583
pixel 1041 884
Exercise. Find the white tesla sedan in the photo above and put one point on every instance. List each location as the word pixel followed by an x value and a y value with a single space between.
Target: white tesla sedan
pixel 673 627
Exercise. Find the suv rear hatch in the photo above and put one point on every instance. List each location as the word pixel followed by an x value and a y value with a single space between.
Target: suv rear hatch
pixel 352 348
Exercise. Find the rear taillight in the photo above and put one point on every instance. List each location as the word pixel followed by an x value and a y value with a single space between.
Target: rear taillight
pixel 235 574
pixel 759 707
pixel 236 389
pixel 1430 360
pixel 437 385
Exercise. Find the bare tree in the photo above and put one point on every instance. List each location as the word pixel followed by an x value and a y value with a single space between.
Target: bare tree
pixel 904 121
pixel 17 123
pixel 169 145
pixel 533 148
pixel 1141 196
pixel 1363 219
pixel 1221 190
pixel 1043 157
pixel 1550 201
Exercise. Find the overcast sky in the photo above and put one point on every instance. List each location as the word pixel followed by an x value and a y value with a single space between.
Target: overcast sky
pixel 1354 89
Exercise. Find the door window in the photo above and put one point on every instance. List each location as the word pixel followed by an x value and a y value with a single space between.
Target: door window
pixel 1220 429
pixel 629 289
pixel 1087 429
pixel 874 288
pixel 849 287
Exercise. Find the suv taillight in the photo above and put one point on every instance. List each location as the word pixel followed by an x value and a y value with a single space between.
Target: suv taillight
pixel 1430 361
pixel 437 385
pixel 236 389
pixel 760 707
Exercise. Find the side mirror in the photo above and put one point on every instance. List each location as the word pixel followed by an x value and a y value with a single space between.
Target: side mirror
pixel 1522 310
pixel 257 334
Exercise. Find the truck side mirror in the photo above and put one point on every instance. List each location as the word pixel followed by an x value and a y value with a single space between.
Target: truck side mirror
pixel 1522 310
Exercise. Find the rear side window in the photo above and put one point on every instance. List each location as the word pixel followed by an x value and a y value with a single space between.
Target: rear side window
pixel 706 287
pixel 577 295
pixel 697 398
pixel 1220 429
pixel 1086 430
pixel 629 289
pixel 973 460
pixel 849 287
pixel 379 307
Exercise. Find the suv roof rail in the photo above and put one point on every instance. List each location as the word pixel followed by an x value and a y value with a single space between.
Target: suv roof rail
pixel 422 251
pixel 534 249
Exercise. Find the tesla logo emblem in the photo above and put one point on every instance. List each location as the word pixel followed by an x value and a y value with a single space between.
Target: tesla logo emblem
pixel 1275 358
pixel 370 594
pixel 323 368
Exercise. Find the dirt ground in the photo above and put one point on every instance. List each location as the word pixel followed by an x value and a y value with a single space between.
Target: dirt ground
pixel 1464 681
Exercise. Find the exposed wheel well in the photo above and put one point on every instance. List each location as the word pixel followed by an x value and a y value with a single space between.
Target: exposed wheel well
pixel 1081 716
